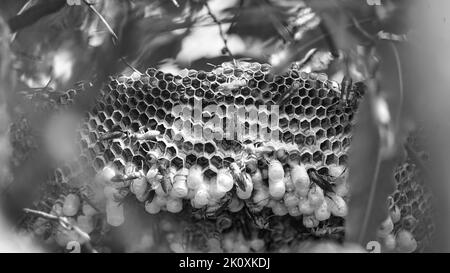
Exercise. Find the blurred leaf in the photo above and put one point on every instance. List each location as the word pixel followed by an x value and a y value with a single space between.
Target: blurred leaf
pixel 249 19
pixel 34 14
pixel 371 178
pixel 5 85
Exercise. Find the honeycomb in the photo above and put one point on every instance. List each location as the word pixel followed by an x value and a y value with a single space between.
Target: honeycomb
pixel 48 100
pixel 411 205
pixel 157 130
pixel 415 203
pixel 22 141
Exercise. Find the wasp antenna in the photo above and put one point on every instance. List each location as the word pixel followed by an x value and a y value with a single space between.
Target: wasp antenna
pixel 257 203
pixel 141 129
pixel 346 85
pixel 345 169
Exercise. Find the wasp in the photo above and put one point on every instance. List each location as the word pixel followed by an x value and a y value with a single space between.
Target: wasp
pixel 145 135
pixel 349 93
pixel 289 93
pixel 115 133
pixel 238 176
pixel 226 88
pixel 204 214
pixel 166 182
pixel 346 88
pixel 226 201
pixel 254 207
pixel 260 219
pixel 347 98
pixel 118 133
pixel 126 177
pixel 327 230
pixel 325 182
pixel 252 153
pixel 131 173
pixel 258 149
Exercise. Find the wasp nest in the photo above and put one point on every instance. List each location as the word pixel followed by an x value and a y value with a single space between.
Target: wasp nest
pixel 410 226
pixel 233 137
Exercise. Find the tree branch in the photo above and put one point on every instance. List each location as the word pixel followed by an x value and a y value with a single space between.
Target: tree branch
pixel 226 49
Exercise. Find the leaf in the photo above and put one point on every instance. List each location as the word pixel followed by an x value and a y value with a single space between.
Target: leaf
pixel 371 178
pixel 5 82
pixel 30 16
pixel 248 19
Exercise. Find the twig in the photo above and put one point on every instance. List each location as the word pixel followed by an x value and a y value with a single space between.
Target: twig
pixel 65 224
pixel 26 6
pixel 48 83
pixel 382 35
pixel 175 3
pixel 222 34
pixel 355 22
pixel 373 187
pixel 358 26
pixel 329 39
pixel 400 82
pixel 41 214
pixel 129 65
pixel 308 57
pixel 111 31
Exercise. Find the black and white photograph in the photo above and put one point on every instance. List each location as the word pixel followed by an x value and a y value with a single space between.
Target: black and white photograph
pixel 222 132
